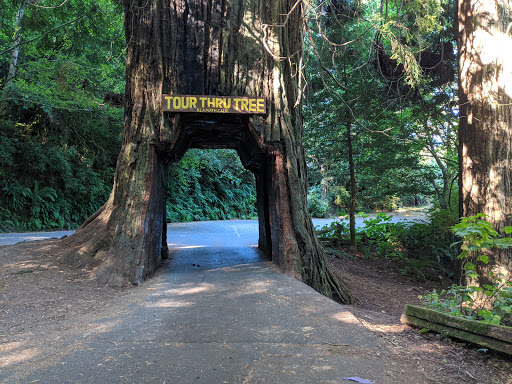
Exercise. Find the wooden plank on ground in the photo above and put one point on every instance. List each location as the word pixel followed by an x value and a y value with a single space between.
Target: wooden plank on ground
pixel 493 337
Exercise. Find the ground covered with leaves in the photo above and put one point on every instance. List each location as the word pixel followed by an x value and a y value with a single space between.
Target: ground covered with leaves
pixel 39 296
pixel 381 293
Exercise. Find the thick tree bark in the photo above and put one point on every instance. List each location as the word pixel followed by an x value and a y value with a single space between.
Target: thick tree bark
pixel 485 129
pixel 219 47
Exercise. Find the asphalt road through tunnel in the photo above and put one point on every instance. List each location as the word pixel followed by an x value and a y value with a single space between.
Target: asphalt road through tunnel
pixel 217 312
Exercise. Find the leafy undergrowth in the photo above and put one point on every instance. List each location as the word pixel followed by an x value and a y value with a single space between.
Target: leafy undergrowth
pixel 429 251
pixel 417 249
pixel 381 293
pixel 489 302
pixel 406 263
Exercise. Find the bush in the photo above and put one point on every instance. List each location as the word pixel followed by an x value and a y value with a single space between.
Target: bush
pixel 210 185
pixel 388 203
pixel 490 303
pixel 318 207
pixel 46 185
pixel 419 249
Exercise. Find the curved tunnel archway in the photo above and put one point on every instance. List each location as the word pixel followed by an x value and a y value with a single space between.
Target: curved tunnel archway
pixel 216 131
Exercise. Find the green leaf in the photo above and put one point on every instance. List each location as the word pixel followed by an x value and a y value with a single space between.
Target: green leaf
pixel 484 259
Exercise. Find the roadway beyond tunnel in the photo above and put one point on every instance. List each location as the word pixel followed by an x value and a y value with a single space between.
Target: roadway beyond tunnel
pixel 217 312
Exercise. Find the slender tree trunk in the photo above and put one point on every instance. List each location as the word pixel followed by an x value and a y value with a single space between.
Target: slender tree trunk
pixel 323 183
pixel 485 129
pixel 444 193
pixel 353 186
pixel 17 40
pixel 13 63
pixel 220 47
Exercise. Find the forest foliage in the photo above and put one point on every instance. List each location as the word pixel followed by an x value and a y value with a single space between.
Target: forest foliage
pixel 58 139
pixel 371 72
pixel 61 124
pixel 360 83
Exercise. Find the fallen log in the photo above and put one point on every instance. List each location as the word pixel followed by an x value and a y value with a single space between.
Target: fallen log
pixel 498 338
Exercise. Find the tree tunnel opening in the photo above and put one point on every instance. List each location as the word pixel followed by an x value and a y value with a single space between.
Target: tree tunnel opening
pixel 234 137
pixel 209 185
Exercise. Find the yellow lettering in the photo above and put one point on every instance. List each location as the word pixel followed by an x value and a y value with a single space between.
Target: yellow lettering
pixel 184 102
pixel 261 106
pixel 168 99
pixel 216 104
pixel 252 105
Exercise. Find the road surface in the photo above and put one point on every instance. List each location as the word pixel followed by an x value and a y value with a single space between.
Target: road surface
pixel 13 238
pixel 218 312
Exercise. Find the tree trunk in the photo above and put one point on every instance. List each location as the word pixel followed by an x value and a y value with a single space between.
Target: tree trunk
pixel 323 183
pixel 485 128
pixel 353 186
pixel 443 194
pixel 220 47
pixel 13 63
pixel 17 40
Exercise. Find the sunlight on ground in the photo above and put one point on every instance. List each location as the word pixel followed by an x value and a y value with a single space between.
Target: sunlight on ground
pixel 12 346
pixel 189 247
pixel 169 304
pixel 236 268
pixel 323 368
pixel 15 355
pixel 188 289
pixel 25 265
pixel 103 328
pixel 385 328
pixel 250 288
pixel 345 317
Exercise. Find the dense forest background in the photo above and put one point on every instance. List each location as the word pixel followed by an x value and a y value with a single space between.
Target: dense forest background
pixel 380 115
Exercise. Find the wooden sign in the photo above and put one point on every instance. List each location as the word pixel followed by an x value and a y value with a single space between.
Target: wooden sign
pixel 214 104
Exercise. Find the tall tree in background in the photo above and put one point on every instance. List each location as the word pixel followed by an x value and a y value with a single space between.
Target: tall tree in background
pixel 208 48
pixel 485 128
pixel 363 59
pixel 15 48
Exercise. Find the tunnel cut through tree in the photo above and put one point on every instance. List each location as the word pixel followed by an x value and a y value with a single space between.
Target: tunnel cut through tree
pixel 220 47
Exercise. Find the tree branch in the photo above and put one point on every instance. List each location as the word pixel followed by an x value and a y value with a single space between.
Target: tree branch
pixel 43 34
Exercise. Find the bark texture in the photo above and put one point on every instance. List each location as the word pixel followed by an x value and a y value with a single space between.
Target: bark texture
pixel 217 47
pixel 485 129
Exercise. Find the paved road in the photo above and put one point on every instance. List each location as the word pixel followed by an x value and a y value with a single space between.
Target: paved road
pixel 217 313
pixel 13 238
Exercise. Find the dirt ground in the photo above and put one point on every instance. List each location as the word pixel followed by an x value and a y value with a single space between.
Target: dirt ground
pixel 37 293
pixel 381 294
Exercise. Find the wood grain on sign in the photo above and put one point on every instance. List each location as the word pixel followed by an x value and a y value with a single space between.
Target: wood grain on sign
pixel 214 104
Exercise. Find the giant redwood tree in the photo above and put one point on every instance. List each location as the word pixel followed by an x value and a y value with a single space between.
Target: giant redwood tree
pixel 218 47
pixel 485 129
